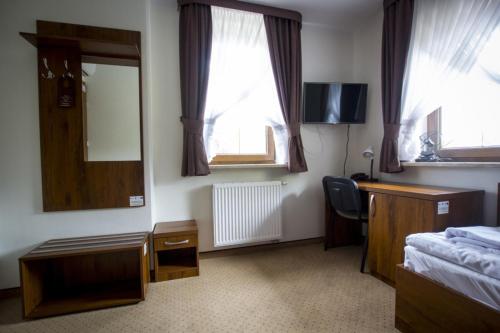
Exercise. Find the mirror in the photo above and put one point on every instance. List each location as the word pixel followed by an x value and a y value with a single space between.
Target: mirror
pixel 111 112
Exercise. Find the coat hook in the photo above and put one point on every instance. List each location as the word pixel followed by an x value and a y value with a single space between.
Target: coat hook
pixel 49 75
pixel 67 73
pixel 66 88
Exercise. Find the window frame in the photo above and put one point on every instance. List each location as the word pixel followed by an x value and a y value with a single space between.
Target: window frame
pixel 268 158
pixel 464 154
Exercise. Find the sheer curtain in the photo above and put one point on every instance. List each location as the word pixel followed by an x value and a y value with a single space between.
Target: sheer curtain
pixel 447 37
pixel 241 83
pixel 489 60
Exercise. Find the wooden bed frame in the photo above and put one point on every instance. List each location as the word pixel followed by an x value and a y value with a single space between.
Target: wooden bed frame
pixel 424 305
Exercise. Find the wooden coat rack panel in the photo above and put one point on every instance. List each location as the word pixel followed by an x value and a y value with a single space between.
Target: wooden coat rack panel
pixel 69 182
pixel 106 42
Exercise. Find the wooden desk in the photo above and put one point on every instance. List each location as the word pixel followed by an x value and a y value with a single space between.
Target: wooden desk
pixel 397 210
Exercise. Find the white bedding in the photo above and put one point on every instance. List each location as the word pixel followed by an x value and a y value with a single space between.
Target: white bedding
pixel 484 236
pixel 479 259
pixel 478 286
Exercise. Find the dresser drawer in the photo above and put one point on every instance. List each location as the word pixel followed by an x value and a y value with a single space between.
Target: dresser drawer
pixel 175 242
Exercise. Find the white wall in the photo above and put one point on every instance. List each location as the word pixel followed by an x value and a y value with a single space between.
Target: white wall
pixel 22 222
pixel 367 56
pixel 327 56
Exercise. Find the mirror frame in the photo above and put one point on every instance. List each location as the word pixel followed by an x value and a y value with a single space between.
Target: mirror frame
pixel 68 181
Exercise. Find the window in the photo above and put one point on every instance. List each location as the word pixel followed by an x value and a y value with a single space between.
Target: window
pixel 244 145
pixel 243 119
pixel 452 66
pixel 466 126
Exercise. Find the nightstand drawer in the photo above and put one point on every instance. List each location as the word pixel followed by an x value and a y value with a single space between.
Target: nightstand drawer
pixel 175 242
pixel 176 250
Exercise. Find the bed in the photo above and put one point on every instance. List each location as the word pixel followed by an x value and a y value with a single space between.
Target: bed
pixel 447 287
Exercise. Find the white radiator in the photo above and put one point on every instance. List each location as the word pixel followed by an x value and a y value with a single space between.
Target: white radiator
pixel 246 212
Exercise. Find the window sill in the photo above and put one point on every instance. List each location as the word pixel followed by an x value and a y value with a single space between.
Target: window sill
pixel 247 166
pixel 452 164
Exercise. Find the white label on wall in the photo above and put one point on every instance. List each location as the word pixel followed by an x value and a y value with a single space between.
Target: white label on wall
pixel 443 207
pixel 145 248
pixel 136 200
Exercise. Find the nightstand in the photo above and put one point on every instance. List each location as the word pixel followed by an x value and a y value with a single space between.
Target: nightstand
pixel 176 250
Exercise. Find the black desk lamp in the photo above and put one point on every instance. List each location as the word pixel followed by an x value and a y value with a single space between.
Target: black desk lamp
pixel 368 153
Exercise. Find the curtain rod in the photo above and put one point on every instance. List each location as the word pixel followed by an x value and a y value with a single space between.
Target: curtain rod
pixel 249 7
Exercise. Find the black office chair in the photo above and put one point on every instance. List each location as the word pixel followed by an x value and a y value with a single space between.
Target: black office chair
pixel 343 196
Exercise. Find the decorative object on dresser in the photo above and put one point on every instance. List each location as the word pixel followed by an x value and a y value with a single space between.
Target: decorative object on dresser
pixel 91 152
pixel 85 273
pixel 176 250
pixel 428 148
pixel 398 210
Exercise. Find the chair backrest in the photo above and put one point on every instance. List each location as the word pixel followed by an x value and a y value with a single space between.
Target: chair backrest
pixel 342 194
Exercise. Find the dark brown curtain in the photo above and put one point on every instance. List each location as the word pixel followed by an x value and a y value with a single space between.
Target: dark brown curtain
pixel 283 36
pixel 195 44
pixel 398 15
pixel 248 7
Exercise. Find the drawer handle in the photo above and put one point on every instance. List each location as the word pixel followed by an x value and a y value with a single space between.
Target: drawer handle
pixel 372 205
pixel 177 243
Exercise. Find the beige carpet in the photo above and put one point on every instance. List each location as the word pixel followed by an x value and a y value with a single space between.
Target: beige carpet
pixel 294 289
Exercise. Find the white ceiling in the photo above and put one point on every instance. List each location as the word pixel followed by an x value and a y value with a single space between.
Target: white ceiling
pixel 339 14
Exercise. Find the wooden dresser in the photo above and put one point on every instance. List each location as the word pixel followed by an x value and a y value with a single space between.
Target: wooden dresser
pixel 85 273
pixel 398 210
pixel 176 250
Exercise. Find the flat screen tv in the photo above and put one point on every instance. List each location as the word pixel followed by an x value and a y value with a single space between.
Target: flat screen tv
pixel 334 103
